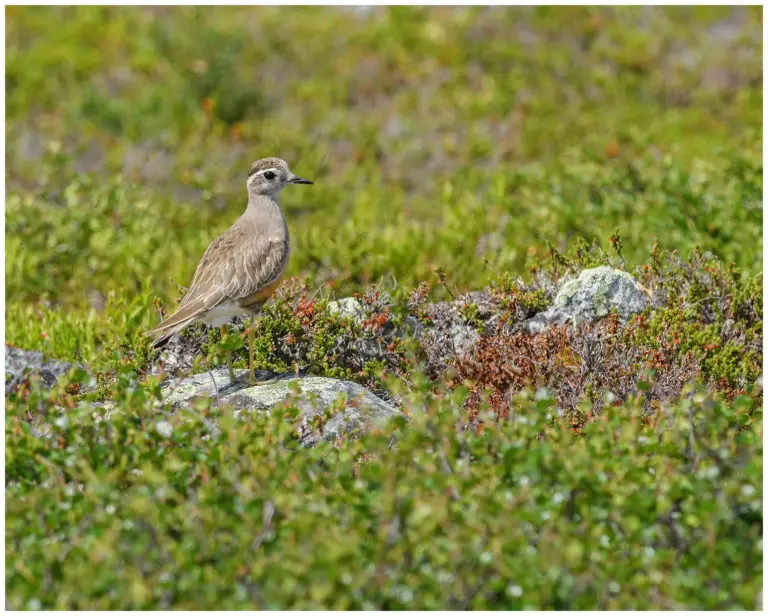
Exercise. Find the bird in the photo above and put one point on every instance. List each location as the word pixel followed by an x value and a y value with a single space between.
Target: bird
pixel 243 267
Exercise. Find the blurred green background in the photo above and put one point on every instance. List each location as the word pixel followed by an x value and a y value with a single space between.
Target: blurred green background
pixel 471 139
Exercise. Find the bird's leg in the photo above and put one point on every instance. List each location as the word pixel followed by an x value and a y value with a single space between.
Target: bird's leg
pixel 224 331
pixel 251 373
pixel 215 387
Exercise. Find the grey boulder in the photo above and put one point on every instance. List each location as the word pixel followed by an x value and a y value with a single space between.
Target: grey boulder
pixel 353 410
pixel 591 296
pixel 21 364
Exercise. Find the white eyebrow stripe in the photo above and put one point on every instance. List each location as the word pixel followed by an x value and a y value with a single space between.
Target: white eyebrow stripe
pixel 263 171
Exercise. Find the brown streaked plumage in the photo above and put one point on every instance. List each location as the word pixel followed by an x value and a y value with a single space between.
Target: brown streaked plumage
pixel 241 269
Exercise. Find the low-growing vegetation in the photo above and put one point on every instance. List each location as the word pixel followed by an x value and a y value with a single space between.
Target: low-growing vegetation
pixel 468 162
pixel 148 510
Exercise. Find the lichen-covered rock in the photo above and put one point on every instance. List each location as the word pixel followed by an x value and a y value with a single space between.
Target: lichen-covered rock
pixel 353 409
pixel 21 364
pixel 593 295
pixel 346 307
pixel 448 334
pixel 352 307
pixel 372 340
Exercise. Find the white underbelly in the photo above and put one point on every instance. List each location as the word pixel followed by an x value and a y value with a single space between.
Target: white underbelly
pixel 223 313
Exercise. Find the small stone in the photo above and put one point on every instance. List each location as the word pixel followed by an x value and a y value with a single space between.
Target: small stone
pixel 346 307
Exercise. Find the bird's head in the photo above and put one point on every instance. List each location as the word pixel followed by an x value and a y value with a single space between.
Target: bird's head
pixel 269 176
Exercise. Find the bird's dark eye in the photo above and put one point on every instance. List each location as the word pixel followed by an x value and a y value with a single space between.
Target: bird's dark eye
pixel 269 175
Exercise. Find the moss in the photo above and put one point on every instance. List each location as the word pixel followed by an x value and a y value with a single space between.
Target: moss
pixel 512 294
pixel 535 301
pixel 469 312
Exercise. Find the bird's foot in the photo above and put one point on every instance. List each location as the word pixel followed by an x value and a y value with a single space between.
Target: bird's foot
pixel 252 380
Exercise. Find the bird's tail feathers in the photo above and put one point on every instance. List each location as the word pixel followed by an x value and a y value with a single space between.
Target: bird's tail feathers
pixel 162 340
pixel 167 329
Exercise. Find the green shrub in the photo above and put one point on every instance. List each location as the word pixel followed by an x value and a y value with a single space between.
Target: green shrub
pixel 146 509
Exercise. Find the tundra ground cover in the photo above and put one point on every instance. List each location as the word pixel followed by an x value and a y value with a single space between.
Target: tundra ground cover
pixel 454 150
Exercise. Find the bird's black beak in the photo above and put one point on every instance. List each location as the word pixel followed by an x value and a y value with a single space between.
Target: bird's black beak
pixel 297 180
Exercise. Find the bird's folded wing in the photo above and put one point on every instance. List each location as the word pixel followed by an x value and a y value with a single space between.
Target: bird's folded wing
pixel 229 270
pixel 256 266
